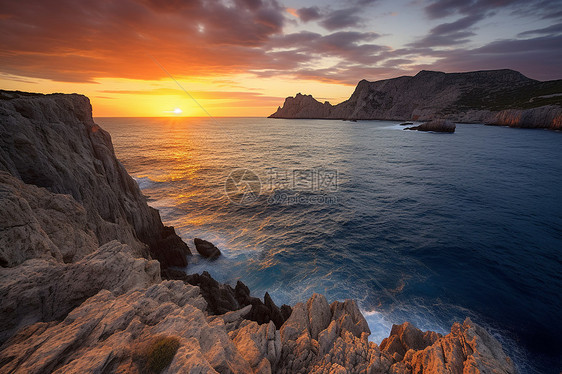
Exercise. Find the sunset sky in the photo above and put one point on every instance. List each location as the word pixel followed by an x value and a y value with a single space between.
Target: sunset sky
pixel 243 57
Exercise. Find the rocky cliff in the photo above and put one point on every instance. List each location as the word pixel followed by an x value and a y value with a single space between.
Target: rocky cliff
pixel 497 97
pixel 51 141
pixel 80 290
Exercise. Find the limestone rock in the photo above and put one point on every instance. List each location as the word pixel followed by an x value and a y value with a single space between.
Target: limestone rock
pixel 36 223
pixel 46 290
pixel 51 141
pixel 256 342
pixel 106 332
pixel 467 349
pixel 405 337
pixel 343 346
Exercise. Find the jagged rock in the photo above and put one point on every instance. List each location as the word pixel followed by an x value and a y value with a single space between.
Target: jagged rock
pixel 343 346
pixel 51 141
pixel 46 290
pixel 349 317
pixel 437 125
pixel 303 106
pixel 467 349
pixel 319 314
pixel 477 97
pixel 275 314
pixel 206 249
pixel 222 298
pixel 405 337
pixel 257 343
pixel 106 332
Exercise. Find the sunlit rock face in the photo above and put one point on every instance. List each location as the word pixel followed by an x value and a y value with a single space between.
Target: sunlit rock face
pixel 51 141
pixel 107 333
pixel 499 97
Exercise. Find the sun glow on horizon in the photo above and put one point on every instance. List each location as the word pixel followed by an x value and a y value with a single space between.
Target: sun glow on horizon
pixel 176 111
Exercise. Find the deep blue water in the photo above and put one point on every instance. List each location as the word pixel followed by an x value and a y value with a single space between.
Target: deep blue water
pixel 429 228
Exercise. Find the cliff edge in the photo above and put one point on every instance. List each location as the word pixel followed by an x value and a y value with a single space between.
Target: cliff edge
pixel 51 141
pixel 495 97
pixel 80 290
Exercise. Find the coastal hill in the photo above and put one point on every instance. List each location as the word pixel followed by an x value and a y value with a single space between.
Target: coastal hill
pixel 496 97
pixel 89 280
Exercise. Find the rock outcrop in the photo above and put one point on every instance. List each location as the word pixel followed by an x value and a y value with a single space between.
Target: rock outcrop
pixel 498 97
pixel 437 125
pixel 222 298
pixel 46 290
pixel 107 332
pixel 51 141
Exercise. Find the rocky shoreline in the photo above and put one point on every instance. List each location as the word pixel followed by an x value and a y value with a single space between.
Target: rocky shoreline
pixel 494 97
pixel 88 278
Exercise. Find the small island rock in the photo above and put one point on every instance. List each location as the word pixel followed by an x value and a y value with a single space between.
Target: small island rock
pixel 206 249
pixel 437 125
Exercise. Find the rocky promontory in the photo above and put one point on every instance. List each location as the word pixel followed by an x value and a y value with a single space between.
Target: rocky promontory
pixel 495 97
pixel 88 284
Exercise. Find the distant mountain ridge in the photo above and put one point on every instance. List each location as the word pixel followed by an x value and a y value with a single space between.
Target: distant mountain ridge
pixel 498 97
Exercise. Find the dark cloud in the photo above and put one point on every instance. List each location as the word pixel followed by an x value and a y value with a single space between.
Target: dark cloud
pixel 309 14
pixel 447 34
pixel 78 41
pixel 341 19
pixel 458 25
pixel 68 40
pixel 550 30
pixel 538 58
pixel 350 46
pixel 541 8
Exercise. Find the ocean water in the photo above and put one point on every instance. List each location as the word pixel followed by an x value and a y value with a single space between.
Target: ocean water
pixel 428 228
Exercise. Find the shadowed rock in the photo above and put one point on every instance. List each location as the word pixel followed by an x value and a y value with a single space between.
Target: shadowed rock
pixel 222 298
pixel 206 249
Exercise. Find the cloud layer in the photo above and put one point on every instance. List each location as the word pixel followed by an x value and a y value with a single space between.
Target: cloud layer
pixel 75 41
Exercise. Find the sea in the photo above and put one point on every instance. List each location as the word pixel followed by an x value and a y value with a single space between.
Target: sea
pixel 430 228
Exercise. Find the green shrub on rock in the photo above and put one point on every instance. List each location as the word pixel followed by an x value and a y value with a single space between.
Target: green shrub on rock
pixel 160 353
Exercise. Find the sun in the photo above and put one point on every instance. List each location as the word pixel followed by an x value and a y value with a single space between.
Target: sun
pixel 176 111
